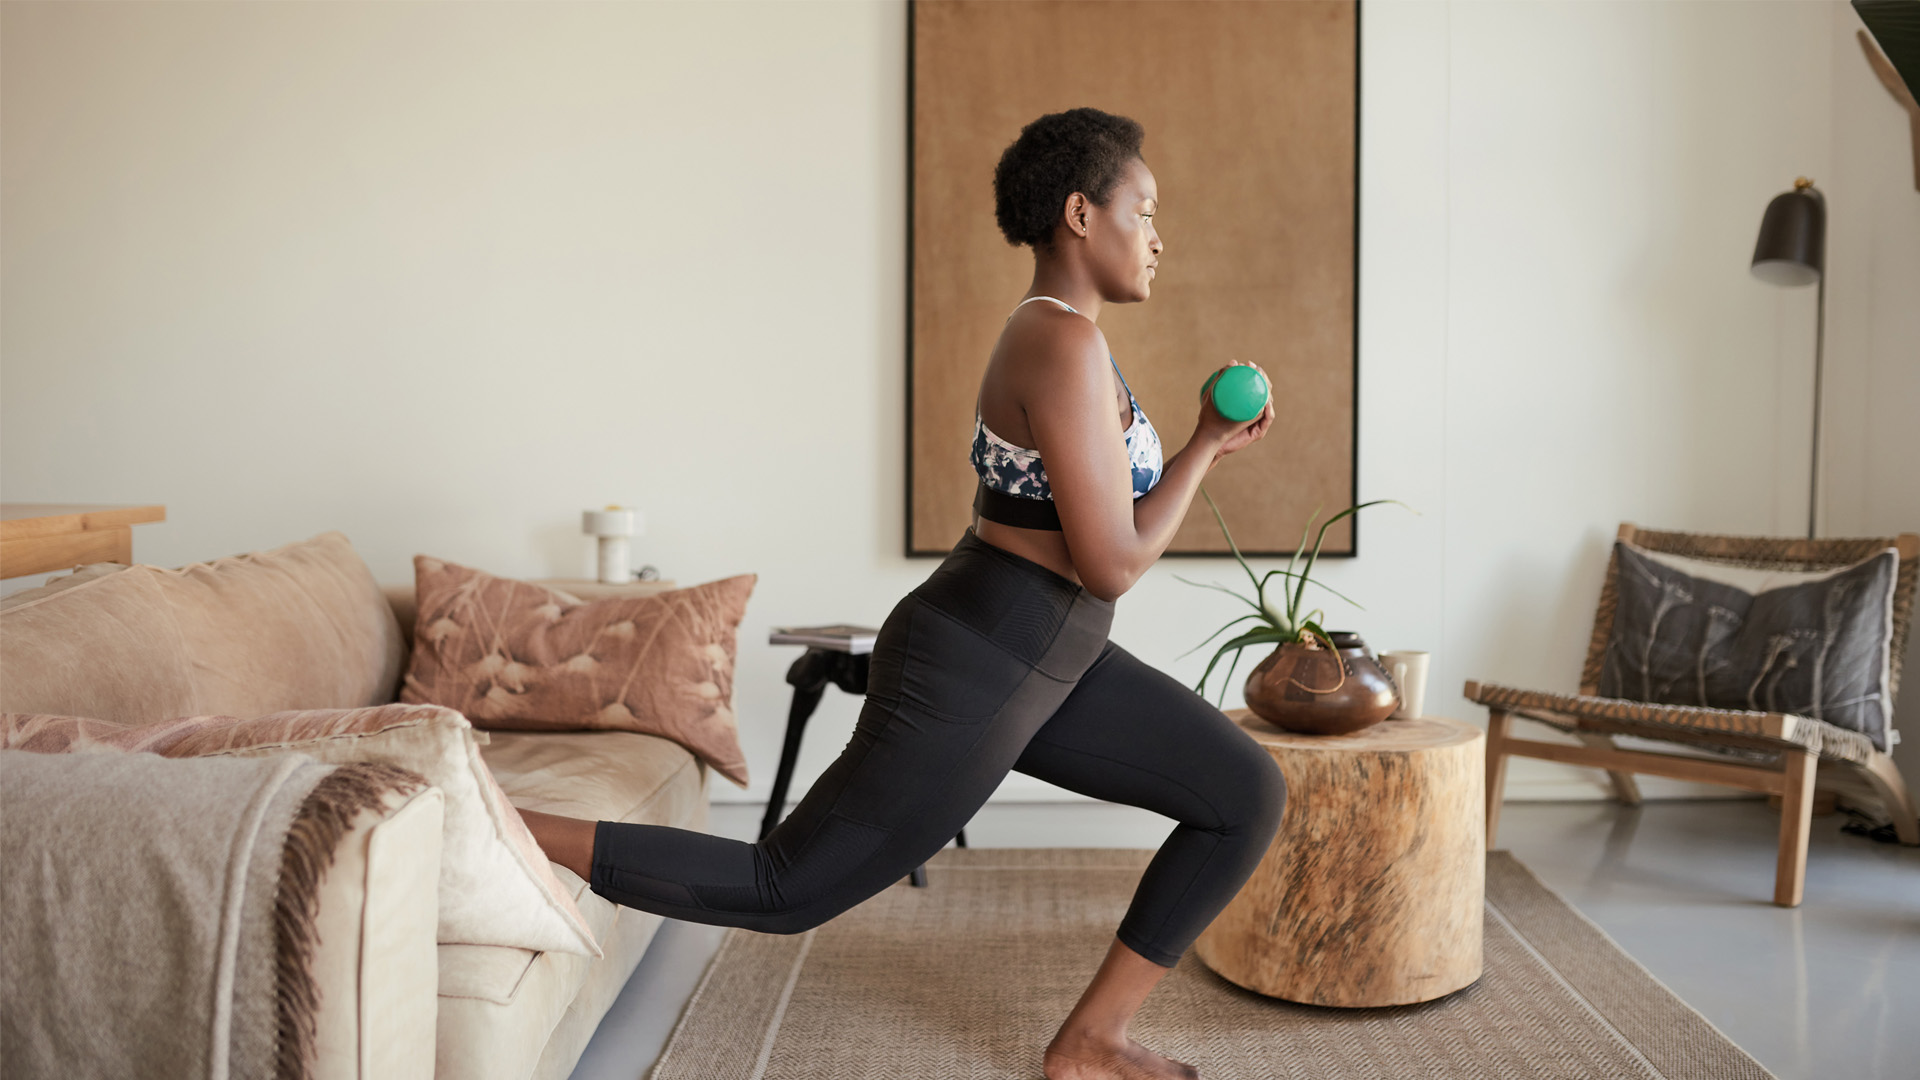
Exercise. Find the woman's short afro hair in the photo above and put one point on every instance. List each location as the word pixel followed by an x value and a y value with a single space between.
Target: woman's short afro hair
pixel 1082 150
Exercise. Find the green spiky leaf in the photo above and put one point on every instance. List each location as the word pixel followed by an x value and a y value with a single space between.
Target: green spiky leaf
pixel 1233 547
pixel 1265 635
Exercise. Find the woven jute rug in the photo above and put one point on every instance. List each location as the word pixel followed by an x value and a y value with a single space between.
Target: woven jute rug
pixel 969 978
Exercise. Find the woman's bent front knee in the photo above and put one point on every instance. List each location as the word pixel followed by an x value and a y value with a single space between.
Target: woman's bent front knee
pixel 1259 793
pixel 1270 795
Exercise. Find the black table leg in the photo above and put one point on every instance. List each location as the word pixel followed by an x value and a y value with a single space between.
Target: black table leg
pixel 809 677
pixel 919 875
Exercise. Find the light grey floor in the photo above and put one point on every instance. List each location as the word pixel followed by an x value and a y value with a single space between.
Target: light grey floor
pixel 1829 990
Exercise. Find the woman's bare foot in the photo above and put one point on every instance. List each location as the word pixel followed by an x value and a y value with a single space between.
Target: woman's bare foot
pixel 567 841
pixel 1092 1043
pixel 1084 1057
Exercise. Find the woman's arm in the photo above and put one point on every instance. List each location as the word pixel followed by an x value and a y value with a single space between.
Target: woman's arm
pixel 1111 536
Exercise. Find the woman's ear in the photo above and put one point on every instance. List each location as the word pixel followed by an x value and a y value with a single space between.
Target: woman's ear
pixel 1078 214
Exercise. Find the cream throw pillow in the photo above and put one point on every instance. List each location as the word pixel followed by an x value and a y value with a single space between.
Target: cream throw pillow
pixel 496 885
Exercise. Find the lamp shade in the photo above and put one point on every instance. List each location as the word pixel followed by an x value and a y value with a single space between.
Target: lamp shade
pixel 1792 249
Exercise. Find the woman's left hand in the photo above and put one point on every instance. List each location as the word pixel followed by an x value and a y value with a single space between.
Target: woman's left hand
pixel 1254 431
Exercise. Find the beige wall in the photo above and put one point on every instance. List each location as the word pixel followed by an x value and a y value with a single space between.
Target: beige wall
pixel 443 275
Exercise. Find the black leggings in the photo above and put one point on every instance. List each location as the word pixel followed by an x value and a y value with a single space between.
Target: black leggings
pixel 993 663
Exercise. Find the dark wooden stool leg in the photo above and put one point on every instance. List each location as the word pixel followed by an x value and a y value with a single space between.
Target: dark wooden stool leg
pixel 919 876
pixel 809 676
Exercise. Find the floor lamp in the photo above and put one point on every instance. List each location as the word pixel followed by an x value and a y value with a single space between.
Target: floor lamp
pixel 1792 250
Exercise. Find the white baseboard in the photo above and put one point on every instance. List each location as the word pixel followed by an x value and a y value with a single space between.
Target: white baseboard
pixel 1528 780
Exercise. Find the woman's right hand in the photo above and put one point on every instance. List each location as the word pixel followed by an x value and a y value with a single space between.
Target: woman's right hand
pixel 1228 436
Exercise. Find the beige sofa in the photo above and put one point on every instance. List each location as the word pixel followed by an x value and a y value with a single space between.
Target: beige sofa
pixel 305 626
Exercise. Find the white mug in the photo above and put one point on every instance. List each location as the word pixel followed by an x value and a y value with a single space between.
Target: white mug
pixel 1409 670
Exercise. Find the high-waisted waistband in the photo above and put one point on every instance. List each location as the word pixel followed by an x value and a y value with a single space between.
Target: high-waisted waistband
pixel 1011 600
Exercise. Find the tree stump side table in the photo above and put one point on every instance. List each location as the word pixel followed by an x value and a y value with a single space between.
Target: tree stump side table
pixel 1372 892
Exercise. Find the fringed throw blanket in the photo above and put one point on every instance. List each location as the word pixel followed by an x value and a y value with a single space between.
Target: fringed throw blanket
pixel 156 915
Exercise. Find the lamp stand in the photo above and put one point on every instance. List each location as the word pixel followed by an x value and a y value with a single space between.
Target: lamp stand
pixel 1819 348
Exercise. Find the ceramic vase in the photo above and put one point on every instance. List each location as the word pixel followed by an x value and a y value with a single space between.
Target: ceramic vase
pixel 1317 691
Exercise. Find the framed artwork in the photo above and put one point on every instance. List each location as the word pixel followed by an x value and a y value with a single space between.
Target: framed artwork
pixel 1251 111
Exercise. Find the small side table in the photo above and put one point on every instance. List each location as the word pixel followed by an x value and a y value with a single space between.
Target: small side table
pixel 39 538
pixel 809 676
pixel 1372 893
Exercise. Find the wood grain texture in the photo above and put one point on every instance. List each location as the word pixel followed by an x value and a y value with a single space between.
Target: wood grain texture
pixel 1499 723
pixel 1249 111
pixel 46 554
pixel 1372 891
pixel 1796 813
pixel 19 521
pixel 40 538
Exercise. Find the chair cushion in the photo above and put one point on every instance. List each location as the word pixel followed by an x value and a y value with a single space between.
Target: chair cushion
pixel 1811 644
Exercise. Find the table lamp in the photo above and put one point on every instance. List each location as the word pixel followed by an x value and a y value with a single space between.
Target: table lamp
pixel 1792 250
pixel 613 526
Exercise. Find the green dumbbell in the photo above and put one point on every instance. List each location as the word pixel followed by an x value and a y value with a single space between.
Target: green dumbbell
pixel 1238 392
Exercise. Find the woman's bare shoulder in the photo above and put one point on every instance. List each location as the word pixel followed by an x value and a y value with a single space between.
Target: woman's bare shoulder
pixel 1055 345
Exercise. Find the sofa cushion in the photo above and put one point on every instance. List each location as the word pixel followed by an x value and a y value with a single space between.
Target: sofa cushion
pixel 303 626
pixel 106 646
pixel 518 656
pixel 600 775
pixel 62 583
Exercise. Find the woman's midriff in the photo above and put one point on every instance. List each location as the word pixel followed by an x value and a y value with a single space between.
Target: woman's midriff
pixel 1044 546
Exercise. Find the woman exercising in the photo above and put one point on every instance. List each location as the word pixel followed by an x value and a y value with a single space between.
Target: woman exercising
pixel 1000 659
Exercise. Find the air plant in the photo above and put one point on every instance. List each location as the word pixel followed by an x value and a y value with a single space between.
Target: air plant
pixel 1276 624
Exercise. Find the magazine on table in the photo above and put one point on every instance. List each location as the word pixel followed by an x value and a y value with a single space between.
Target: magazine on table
pixel 839 637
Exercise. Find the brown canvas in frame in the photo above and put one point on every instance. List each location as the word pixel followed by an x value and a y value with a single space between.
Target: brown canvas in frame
pixel 1250 112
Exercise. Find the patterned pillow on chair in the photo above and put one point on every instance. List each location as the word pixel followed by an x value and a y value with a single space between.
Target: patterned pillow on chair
pixel 1808 643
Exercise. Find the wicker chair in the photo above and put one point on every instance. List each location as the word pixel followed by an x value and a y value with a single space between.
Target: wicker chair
pixel 1767 752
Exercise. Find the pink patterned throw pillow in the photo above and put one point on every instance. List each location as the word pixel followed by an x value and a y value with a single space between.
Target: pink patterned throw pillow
pixel 518 656
pixel 496 885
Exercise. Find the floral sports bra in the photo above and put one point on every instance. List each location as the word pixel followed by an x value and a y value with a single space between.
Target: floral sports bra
pixel 1013 483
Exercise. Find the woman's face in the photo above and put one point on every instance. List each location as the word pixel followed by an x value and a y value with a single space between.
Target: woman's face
pixel 1122 242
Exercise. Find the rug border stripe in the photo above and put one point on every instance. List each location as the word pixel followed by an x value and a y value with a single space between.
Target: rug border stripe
pixel 1511 864
pixel 1573 992
pixel 680 1024
pixel 780 1009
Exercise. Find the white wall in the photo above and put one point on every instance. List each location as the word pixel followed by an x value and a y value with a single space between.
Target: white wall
pixel 1873 319
pixel 442 275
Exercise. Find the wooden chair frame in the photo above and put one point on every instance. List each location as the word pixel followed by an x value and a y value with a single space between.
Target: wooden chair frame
pixel 1774 753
